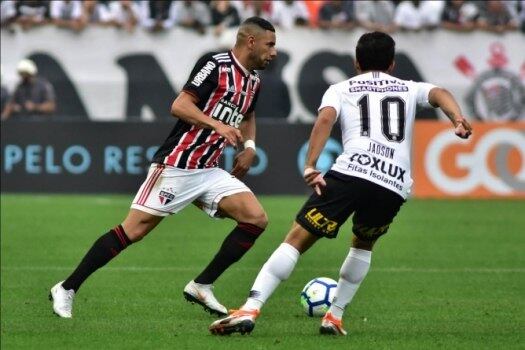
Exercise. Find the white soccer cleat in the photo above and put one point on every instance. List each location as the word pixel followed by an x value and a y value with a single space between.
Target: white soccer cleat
pixel 202 294
pixel 62 300
pixel 239 321
pixel 331 325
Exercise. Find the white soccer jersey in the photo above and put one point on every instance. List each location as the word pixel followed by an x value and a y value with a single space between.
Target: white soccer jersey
pixel 377 113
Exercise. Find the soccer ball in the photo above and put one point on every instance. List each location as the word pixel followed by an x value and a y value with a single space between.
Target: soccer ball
pixel 317 296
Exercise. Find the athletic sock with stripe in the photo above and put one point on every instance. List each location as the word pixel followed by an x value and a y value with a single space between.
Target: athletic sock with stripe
pixel 235 245
pixel 103 250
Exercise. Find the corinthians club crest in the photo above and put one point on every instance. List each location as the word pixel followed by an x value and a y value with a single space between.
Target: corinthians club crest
pixel 496 94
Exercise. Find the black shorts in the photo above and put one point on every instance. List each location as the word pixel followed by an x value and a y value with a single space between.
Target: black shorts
pixel 374 207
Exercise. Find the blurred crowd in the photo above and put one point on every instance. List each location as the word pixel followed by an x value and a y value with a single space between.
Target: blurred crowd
pixel 34 96
pixel 497 16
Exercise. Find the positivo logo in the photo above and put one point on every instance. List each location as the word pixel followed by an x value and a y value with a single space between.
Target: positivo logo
pixel 331 150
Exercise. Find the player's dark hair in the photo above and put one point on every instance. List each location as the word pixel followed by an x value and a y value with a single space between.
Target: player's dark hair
pixel 260 22
pixel 375 51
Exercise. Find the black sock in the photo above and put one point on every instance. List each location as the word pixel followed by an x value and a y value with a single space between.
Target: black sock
pixel 103 250
pixel 236 244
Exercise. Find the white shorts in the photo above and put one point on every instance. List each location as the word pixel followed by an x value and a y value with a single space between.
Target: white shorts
pixel 167 190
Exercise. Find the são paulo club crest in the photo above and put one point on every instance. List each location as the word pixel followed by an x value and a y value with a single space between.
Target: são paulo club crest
pixel 165 196
pixel 496 94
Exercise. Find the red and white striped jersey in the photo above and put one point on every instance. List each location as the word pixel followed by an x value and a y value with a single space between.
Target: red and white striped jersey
pixel 226 91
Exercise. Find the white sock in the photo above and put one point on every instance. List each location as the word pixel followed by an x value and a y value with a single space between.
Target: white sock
pixel 352 272
pixel 277 269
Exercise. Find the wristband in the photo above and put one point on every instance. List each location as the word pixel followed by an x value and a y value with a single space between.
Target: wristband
pixel 250 144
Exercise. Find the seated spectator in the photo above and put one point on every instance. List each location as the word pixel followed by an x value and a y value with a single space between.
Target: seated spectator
pixel 32 13
pixel 250 8
pixel 124 14
pixel 33 97
pixel 66 14
pixel 4 93
pixel 459 15
pixel 376 15
pixel 415 15
pixel 157 16
pixel 521 14
pixel 223 16
pixel 7 13
pixel 96 12
pixel 289 13
pixel 192 15
pixel 337 14
pixel 313 7
pixel 495 17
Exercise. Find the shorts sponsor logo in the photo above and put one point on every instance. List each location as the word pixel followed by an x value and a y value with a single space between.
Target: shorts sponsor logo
pixel 166 197
pixel 320 222
pixel 203 73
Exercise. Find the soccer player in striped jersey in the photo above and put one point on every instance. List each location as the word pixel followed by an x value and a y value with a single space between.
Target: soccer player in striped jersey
pixel 370 179
pixel 215 108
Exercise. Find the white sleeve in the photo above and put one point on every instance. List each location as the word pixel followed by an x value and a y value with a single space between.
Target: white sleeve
pixel 423 89
pixel 55 8
pixel 77 10
pixel 331 99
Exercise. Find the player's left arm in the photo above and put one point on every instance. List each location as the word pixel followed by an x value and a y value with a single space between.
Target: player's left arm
pixel 442 98
pixel 320 134
pixel 244 159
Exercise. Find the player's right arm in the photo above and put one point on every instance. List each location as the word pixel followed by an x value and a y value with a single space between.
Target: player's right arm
pixel 203 80
pixel 320 134
pixel 185 108
pixel 439 97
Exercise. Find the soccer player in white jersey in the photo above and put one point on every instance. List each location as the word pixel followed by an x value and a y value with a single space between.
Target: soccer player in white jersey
pixel 370 179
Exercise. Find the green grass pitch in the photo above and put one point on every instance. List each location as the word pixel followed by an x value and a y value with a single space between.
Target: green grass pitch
pixel 448 275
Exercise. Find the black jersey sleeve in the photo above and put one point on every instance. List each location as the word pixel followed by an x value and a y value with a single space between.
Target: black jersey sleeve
pixel 204 78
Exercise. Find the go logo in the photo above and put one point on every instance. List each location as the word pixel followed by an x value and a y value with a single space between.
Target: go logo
pixel 492 162
pixel 331 150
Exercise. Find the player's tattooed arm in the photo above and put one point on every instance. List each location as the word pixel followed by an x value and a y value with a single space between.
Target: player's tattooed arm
pixel 439 97
pixel 244 159
pixel 185 108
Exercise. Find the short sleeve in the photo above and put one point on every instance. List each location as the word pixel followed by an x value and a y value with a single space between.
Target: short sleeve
pixel 254 102
pixel 203 78
pixel 423 89
pixel 331 99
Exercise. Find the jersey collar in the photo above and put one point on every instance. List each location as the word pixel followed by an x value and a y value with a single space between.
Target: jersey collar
pixel 245 71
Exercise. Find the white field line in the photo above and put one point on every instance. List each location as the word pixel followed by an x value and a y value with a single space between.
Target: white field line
pixel 175 269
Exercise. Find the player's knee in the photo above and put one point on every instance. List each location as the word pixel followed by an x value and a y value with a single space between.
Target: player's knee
pixel 259 219
pixel 137 232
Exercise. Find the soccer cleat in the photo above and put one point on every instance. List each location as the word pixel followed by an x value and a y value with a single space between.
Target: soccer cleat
pixel 202 294
pixel 331 325
pixel 62 300
pixel 239 321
